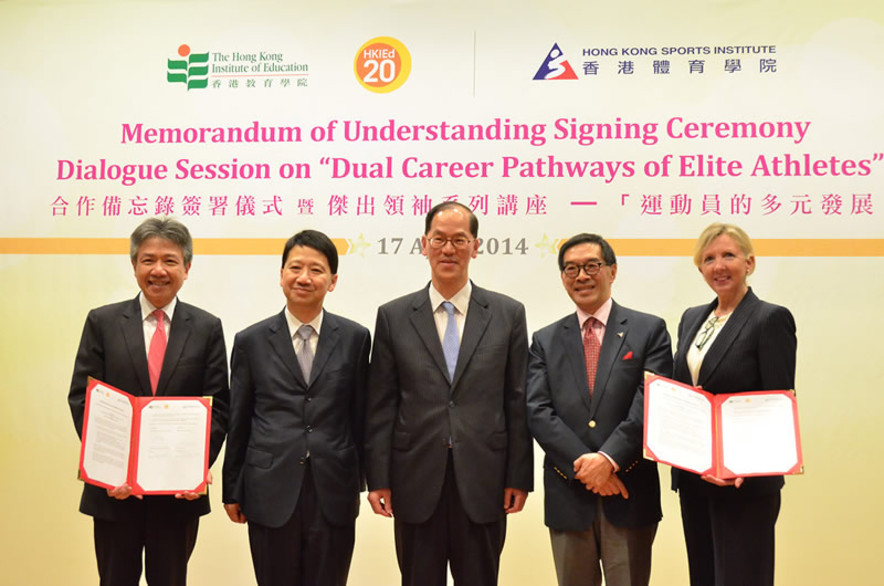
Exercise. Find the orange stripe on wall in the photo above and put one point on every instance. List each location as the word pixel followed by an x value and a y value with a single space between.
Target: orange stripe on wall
pixel 232 246
pixel 805 247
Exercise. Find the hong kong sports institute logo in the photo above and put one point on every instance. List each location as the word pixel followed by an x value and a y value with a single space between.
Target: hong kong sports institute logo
pixel 555 66
pixel 192 69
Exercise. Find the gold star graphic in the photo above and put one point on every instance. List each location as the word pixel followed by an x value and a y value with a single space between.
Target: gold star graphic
pixel 547 246
pixel 358 246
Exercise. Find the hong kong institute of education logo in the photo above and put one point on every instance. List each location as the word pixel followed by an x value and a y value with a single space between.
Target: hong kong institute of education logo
pixel 555 66
pixel 191 69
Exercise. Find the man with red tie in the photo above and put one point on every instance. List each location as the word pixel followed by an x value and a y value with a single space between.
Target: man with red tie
pixel 151 345
pixel 586 410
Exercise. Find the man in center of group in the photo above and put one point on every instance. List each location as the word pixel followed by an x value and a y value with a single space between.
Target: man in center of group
pixel 447 444
pixel 586 410
pixel 292 468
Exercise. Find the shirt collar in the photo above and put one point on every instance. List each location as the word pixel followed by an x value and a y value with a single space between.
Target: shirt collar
pixel 602 313
pixel 460 300
pixel 295 323
pixel 147 307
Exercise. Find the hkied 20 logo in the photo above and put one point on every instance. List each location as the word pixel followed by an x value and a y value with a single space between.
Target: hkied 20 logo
pixel 382 65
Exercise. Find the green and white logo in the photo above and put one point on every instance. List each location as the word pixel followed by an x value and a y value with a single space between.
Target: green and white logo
pixel 192 69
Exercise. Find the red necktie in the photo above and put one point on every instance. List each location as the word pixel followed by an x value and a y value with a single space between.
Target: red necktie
pixel 591 348
pixel 157 350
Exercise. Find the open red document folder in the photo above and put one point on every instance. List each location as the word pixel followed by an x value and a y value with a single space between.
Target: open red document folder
pixel 729 435
pixel 156 445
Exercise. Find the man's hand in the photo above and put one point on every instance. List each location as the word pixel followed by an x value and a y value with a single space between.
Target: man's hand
pixel 234 512
pixel 514 500
pixel 612 487
pixel 593 470
pixel 122 492
pixel 735 482
pixel 381 502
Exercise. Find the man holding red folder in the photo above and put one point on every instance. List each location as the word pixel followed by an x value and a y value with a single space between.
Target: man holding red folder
pixel 151 345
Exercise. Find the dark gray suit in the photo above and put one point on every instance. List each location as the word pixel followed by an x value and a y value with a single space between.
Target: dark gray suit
pixel 414 410
pixel 293 457
pixel 276 418
pixel 112 350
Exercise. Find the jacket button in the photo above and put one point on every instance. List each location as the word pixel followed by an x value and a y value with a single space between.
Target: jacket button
pixel 302 461
pixel 591 423
pixel 309 429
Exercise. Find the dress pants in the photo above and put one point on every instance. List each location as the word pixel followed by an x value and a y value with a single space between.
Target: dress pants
pixel 623 552
pixel 307 550
pixel 166 543
pixel 729 536
pixel 473 549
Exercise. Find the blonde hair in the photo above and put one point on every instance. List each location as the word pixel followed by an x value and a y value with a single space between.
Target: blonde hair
pixel 717 229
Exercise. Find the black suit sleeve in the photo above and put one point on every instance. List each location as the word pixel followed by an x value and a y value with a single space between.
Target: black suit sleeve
pixel 382 404
pixel 242 393
pixel 357 406
pixel 557 439
pixel 520 455
pixel 777 350
pixel 89 362
pixel 215 386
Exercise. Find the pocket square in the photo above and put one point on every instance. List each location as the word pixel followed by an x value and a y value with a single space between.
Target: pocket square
pixel 628 356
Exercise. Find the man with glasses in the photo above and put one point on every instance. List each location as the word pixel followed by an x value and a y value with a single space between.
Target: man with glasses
pixel 447 445
pixel 585 408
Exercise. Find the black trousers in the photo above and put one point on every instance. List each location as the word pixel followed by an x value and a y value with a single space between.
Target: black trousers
pixel 166 543
pixel 307 550
pixel 730 536
pixel 473 550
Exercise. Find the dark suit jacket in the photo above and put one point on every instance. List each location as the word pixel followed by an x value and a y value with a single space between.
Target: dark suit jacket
pixel 567 424
pixel 413 408
pixel 754 351
pixel 112 350
pixel 276 418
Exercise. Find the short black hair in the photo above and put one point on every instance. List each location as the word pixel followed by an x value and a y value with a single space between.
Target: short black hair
pixel 316 240
pixel 447 205
pixel 608 255
pixel 162 227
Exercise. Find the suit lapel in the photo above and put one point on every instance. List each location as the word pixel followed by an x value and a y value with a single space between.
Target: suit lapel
pixel 133 334
pixel 572 341
pixel 179 333
pixel 726 337
pixel 281 341
pixel 425 325
pixel 616 331
pixel 328 341
pixel 478 317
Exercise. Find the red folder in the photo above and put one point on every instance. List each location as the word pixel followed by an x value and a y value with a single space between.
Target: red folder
pixel 144 441
pixel 753 433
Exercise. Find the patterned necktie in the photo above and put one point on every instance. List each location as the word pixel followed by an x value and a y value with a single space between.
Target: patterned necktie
pixel 450 341
pixel 305 355
pixel 157 350
pixel 591 348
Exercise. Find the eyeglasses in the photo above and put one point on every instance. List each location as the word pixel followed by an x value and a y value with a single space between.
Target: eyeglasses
pixel 706 334
pixel 591 268
pixel 459 242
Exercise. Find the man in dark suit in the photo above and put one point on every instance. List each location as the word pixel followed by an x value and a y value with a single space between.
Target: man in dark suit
pixel 122 345
pixel 292 467
pixel 585 408
pixel 447 444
